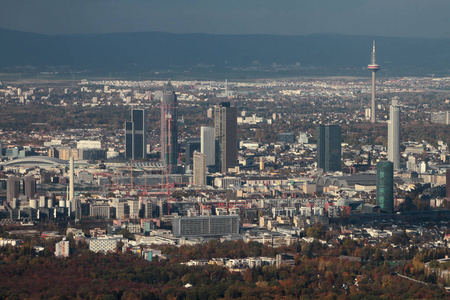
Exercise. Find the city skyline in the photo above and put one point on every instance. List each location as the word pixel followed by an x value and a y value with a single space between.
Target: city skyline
pixel 268 204
pixel 257 170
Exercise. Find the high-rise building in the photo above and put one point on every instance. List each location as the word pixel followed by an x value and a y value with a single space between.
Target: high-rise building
pixel 329 147
pixel 199 169
pixel 136 135
pixel 169 129
pixel 208 144
pixel 374 68
pixel 225 129
pixel 394 135
pixel 12 188
pixel 30 186
pixel 447 183
pixel 385 186
pixel 191 145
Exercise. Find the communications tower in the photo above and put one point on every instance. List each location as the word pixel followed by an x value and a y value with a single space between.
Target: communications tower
pixel 374 68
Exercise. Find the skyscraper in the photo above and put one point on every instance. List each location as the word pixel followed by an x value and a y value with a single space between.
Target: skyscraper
pixel 394 135
pixel 385 186
pixel 169 129
pixel 191 145
pixel 208 144
pixel 30 186
pixel 199 169
pixel 12 188
pixel 225 128
pixel 374 68
pixel 329 147
pixel 136 135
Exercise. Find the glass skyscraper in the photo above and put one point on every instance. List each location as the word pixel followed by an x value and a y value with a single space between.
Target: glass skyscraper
pixel 385 186
pixel 225 128
pixel 136 135
pixel 329 147
pixel 169 129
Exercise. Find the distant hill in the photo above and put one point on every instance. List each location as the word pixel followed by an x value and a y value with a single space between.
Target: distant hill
pixel 155 50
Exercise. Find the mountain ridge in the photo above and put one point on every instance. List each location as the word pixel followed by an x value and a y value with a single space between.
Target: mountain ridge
pixel 143 51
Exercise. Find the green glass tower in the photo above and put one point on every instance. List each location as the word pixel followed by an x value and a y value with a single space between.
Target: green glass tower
pixel 385 186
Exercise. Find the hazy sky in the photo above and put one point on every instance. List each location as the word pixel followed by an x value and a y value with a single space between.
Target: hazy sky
pixel 422 18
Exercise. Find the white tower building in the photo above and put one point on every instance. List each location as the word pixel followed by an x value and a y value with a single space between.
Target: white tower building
pixel 394 134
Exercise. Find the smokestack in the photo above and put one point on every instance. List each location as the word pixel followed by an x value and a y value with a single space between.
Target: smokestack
pixel 71 174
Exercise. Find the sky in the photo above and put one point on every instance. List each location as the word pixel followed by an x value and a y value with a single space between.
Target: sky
pixel 399 18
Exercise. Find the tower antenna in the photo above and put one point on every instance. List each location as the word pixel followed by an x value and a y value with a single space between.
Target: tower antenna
pixel 374 68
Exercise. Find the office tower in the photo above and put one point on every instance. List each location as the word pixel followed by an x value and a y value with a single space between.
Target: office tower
pixel 12 188
pixel 199 169
pixel 329 147
pixel 208 144
pixel 136 135
pixel 206 226
pixel 191 145
pixel 374 68
pixel 447 183
pixel 30 186
pixel 394 135
pixel 225 129
pixel 385 186
pixel 169 129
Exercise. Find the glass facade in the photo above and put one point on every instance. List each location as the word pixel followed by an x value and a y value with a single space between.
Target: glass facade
pixel 329 147
pixel 169 129
pixel 385 186
pixel 225 128
pixel 136 135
